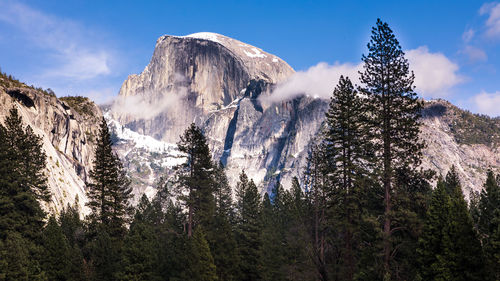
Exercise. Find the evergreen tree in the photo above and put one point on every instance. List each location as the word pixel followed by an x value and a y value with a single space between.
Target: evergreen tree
pixel 194 179
pixel 449 248
pixel 140 251
pixel 224 243
pixel 56 260
pixel 489 223
pixel 22 177
pixel 29 155
pixel 298 265
pixel 201 263
pixel 248 229
pixel 74 231
pixel 320 191
pixel 109 190
pixel 23 185
pixel 394 110
pixel 108 193
pixel 272 258
pixel 347 145
pixel 17 262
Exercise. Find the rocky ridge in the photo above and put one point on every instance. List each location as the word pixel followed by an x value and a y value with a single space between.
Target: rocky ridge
pixel 67 135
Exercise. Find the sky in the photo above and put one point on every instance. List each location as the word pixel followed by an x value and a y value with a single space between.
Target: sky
pixel 90 47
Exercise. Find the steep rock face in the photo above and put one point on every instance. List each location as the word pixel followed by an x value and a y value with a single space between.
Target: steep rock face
pixel 188 77
pixel 458 138
pixel 216 82
pixel 67 136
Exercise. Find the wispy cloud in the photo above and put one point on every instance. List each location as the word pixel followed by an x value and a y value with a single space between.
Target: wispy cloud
pixel 71 58
pixel 318 81
pixel 486 103
pixel 68 43
pixel 435 75
pixel 468 35
pixel 474 54
pixel 492 10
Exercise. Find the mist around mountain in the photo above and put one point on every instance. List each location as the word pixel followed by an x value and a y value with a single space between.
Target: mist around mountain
pixel 217 178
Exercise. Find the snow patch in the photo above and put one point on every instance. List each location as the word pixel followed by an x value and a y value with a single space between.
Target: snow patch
pixel 256 53
pixel 204 35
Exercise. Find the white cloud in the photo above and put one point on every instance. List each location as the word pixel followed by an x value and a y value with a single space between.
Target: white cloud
pixel 318 81
pixel 435 74
pixel 75 51
pixel 474 54
pixel 493 21
pixel 486 103
pixel 147 106
pixel 468 35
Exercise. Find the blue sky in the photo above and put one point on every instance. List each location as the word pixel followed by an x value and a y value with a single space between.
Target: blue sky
pixel 90 47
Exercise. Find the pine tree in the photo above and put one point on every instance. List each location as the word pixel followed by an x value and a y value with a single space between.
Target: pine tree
pixel 194 179
pixel 23 178
pixel 201 263
pixel 17 262
pixel 74 231
pixel 23 185
pixel 224 246
pixel 394 109
pixel 489 222
pixel 140 251
pixel 56 260
pixel 28 152
pixel 298 265
pixel 248 229
pixel 347 146
pixel 320 191
pixel 449 247
pixel 108 193
pixel 109 190
pixel 272 246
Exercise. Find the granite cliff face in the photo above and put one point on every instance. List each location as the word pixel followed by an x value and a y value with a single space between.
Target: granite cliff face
pixel 67 134
pixel 219 83
pixel 456 137
pixel 216 82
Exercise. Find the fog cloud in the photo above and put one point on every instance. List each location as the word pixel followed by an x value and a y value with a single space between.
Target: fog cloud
pixel 148 105
pixel 318 81
pixel 435 75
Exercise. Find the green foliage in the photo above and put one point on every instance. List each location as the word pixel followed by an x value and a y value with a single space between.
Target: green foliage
pixel 201 263
pixel 140 251
pixel 248 229
pixel 19 258
pixel 488 220
pixel 109 190
pixel 83 105
pixel 194 182
pixel 56 251
pixel 449 248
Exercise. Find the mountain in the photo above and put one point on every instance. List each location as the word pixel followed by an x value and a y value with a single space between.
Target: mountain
pixel 218 83
pixel 67 126
pixel 221 83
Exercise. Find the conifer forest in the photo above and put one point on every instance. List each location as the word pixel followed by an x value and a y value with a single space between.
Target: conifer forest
pixel 362 209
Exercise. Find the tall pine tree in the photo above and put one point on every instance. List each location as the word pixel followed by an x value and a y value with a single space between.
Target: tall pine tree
pixel 248 229
pixel 489 223
pixel 194 176
pixel 347 146
pixel 394 109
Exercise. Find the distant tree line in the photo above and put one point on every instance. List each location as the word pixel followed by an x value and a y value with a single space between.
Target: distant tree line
pixel 364 210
